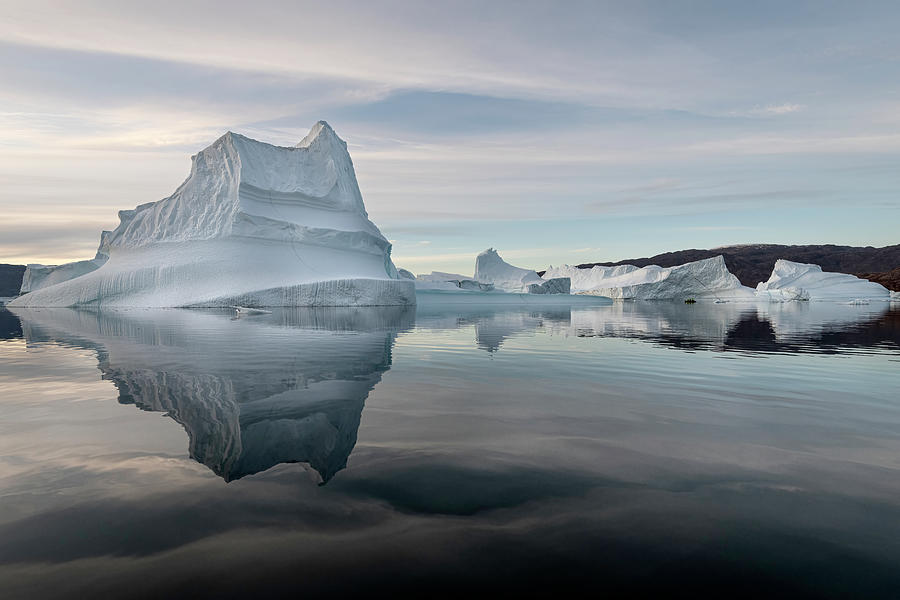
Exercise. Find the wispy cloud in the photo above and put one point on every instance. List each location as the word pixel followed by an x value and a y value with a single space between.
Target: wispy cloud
pixel 776 109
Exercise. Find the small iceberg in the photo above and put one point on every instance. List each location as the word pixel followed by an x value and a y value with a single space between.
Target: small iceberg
pixel 247 310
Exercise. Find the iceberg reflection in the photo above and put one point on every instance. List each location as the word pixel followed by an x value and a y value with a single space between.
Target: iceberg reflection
pixel 250 393
pixel 816 327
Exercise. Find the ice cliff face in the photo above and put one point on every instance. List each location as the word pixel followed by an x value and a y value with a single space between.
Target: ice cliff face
pixel 792 280
pixel 707 278
pixel 253 224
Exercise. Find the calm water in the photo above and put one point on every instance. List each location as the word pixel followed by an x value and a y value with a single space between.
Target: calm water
pixel 745 450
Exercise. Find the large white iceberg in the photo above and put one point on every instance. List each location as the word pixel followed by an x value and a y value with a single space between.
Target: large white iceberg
pixel 802 281
pixel 708 278
pixel 253 224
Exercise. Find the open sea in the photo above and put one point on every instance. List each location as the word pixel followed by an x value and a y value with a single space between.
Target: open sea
pixel 733 450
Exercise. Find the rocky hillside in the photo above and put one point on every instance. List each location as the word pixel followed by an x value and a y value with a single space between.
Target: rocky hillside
pixel 753 263
pixel 889 279
pixel 11 279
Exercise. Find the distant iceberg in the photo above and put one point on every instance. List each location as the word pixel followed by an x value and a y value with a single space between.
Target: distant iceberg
pixel 490 268
pixel 802 281
pixel 439 276
pixel 253 225
pixel 708 278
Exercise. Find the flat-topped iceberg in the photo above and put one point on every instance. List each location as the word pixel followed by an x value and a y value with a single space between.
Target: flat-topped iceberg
pixel 802 281
pixel 253 225
pixel 708 278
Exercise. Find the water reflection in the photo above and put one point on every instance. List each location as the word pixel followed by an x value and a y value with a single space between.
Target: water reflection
pixel 287 387
pixel 755 327
pixel 250 393
pixel 814 327
pixel 10 328
pixel 637 448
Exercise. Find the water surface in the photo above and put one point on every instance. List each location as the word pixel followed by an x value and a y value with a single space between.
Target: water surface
pixel 735 449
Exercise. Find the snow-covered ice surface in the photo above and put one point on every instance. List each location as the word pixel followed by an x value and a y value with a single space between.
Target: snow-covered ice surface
pixel 253 225
pixel 708 278
pixel 490 268
pixel 789 279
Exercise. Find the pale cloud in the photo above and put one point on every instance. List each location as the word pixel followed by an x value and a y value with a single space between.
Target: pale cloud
pixel 776 109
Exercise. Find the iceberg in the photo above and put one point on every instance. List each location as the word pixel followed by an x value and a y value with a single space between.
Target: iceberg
pixel 490 268
pixel 253 225
pixel 708 278
pixel 439 277
pixel 438 280
pixel 558 285
pixel 803 281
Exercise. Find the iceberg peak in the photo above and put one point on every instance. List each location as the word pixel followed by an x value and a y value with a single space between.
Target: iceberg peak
pixel 321 131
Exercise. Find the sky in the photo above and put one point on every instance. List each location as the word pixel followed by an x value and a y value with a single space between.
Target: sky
pixel 556 132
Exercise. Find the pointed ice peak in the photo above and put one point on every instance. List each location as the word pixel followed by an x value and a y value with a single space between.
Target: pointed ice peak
pixel 320 131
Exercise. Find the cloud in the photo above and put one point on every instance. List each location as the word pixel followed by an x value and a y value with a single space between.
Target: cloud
pixel 776 109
